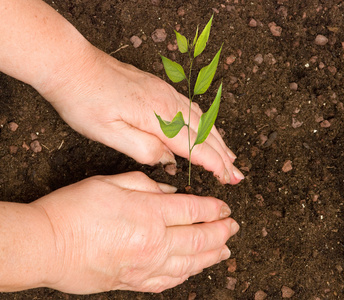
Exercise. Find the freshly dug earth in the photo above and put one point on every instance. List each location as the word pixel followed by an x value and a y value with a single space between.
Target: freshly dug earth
pixel 281 113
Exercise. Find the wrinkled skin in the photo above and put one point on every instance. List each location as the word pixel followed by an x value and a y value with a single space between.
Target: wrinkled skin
pixel 123 232
pixel 114 103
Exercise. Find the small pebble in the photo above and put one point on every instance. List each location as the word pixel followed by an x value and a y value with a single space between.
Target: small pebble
pixel 321 40
pixel 319 119
pixel 13 126
pixel 230 59
pixel 260 295
pixel 136 41
pixel 313 59
pixel 159 35
pixel 295 123
pixel 287 166
pixel 231 282
pixel 275 30
pixel 25 146
pixel 172 47
pixel 252 23
pixel 258 59
pixel 270 59
pixel 287 292
pixel 293 86
pixel 13 149
pixel 325 124
pixel 332 69
pixel 232 265
pixel 282 11
pixel 36 146
pixel 33 136
pixel 264 232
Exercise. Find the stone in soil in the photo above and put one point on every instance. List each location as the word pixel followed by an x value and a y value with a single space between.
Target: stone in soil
pixel 13 126
pixel 36 146
pixel 231 282
pixel 260 295
pixel 136 41
pixel 232 265
pixel 252 23
pixel 321 40
pixel 275 30
pixel 287 166
pixel 159 35
pixel 287 292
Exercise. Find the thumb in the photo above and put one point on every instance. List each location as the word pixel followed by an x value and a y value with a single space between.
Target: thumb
pixel 138 181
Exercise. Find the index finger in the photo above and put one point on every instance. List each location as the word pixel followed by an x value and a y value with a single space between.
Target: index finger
pixel 181 209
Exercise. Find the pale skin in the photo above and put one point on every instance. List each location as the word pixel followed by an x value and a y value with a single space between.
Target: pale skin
pixel 107 232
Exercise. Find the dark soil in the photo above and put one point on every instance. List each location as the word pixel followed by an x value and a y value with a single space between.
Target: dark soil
pixel 291 222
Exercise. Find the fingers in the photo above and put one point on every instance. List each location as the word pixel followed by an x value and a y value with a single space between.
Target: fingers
pixel 138 181
pixel 145 148
pixel 188 265
pixel 197 238
pixel 178 209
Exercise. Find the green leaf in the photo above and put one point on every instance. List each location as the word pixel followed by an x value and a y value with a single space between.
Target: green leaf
pixel 206 75
pixel 203 39
pixel 173 70
pixel 195 39
pixel 208 119
pixel 171 129
pixel 182 42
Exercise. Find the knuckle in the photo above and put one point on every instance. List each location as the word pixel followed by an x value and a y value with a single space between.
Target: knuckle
pixel 198 241
pixel 158 285
pixel 194 210
pixel 183 267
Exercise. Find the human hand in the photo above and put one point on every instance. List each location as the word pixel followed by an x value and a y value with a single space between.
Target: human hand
pixel 114 103
pixel 124 232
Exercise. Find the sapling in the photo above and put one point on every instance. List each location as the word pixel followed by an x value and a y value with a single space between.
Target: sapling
pixel 175 73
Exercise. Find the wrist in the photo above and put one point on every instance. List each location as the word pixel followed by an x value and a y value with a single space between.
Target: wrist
pixel 27 247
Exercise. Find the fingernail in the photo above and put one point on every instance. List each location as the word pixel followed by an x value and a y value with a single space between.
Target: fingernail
pixel 227 177
pixel 168 158
pixel 166 188
pixel 234 228
pixel 238 174
pixel 225 211
pixel 225 253
pixel 231 154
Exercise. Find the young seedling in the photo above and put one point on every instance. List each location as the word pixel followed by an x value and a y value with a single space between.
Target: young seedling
pixel 175 73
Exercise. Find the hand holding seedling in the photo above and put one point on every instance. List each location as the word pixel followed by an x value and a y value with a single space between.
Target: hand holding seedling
pixel 113 103
pixel 102 98
pixel 107 232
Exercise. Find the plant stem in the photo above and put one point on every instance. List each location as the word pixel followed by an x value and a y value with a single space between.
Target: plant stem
pixel 190 102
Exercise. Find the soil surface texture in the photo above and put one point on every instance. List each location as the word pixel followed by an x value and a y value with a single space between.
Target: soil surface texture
pixel 282 110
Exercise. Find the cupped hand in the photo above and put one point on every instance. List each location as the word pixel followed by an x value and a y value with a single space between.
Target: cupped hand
pixel 114 103
pixel 129 232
